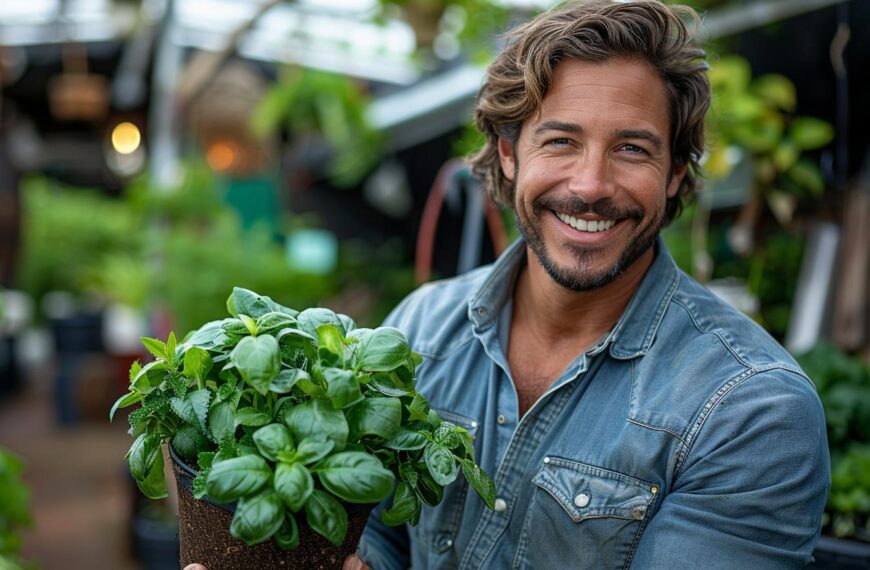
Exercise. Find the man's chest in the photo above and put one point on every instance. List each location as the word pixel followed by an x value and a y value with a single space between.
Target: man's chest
pixel 572 475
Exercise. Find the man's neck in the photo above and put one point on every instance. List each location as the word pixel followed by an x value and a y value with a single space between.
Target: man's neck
pixel 558 315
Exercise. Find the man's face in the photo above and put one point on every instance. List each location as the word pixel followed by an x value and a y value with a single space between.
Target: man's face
pixel 592 172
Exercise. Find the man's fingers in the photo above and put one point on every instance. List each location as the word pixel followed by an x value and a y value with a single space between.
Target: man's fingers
pixel 195 567
pixel 351 563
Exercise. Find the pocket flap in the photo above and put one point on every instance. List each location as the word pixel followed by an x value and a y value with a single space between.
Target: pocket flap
pixel 585 491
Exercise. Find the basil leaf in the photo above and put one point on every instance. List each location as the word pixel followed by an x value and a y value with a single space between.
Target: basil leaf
pixel 428 490
pixel 197 363
pixel 480 481
pixel 405 506
pixel 250 324
pixel 356 477
pixel 441 464
pixel 234 478
pixel 375 416
pixel 447 436
pixel 189 441
pixel 257 360
pixel 145 460
pixel 205 336
pixel 309 319
pixel 193 408
pixel 294 484
pixel 286 379
pixel 236 327
pixel 433 419
pixel 317 418
pixel 272 439
pixel 389 384
pixel 382 350
pixel 142 455
pixel 249 303
pixel 418 408
pixel 252 417
pixel 311 450
pixel 274 321
pixel 149 377
pixel 295 338
pixel 221 420
pixel 126 400
pixel 157 348
pixel 257 518
pixel 406 440
pixel 154 484
pixel 341 387
pixel 287 537
pixel 330 347
pixel 326 516
pixel 347 324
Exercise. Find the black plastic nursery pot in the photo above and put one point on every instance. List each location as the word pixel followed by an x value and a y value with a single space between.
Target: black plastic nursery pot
pixel 204 534
pixel 838 554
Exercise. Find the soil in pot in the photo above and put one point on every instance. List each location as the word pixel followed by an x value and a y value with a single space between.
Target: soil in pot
pixel 204 536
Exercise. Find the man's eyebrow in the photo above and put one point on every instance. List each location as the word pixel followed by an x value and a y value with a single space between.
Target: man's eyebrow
pixel 642 134
pixel 563 126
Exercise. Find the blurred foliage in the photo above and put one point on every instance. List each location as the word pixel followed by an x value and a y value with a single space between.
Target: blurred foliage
pixel 64 229
pixel 14 511
pixel 770 274
pixel 182 249
pixel 843 383
pixel 473 24
pixel 758 116
pixel 313 104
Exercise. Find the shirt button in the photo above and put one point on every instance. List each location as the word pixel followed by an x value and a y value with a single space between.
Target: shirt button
pixel 500 506
pixel 500 419
pixel 581 500
pixel 546 460
pixel 449 542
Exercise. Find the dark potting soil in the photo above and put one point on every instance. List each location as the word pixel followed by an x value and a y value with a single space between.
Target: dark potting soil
pixel 204 535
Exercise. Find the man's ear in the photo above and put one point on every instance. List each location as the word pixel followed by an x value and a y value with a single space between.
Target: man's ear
pixel 677 175
pixel 506 158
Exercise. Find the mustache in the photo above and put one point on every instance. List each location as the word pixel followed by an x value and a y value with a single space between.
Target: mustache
pixel 575 206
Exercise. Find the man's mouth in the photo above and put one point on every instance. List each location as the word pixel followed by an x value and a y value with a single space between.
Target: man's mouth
pixel 586 225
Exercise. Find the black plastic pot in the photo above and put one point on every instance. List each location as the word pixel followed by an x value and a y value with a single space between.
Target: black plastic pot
pixel 838 554
pixel 204 534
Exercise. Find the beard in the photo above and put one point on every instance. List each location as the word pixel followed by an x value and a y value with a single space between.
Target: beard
pixel 581 276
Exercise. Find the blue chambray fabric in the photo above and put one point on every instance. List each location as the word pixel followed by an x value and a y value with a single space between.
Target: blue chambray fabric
pixel 685 438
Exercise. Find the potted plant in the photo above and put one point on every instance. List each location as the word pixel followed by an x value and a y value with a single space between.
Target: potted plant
pixel 843 383
pixel 296 419
pixel 14 499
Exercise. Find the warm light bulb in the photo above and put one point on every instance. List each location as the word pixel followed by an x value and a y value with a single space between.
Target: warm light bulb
pixel 126 138
pixel 220 156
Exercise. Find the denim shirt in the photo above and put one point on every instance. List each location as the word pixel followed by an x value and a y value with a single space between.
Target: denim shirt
pixel 685 438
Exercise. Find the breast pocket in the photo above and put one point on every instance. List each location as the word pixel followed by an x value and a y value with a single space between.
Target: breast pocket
pixel 582 516
pixel 436 532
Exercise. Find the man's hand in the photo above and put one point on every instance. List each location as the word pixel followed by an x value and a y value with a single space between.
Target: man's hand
pixel 195 567
pixel 350 563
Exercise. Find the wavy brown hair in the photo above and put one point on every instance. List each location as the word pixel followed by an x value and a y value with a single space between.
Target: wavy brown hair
pixel 596 30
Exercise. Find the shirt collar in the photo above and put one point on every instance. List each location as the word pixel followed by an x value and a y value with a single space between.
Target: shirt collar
pixel 635 330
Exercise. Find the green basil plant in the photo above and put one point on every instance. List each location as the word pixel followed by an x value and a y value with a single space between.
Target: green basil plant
pixel 287 411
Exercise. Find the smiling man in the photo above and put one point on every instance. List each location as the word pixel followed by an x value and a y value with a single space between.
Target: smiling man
pixel 629 418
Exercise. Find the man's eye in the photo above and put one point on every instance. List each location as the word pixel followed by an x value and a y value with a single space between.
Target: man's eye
pixel 559 142
pixel 634 149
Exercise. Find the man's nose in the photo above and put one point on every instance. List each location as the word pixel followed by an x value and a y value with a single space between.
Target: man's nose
pixel 591 177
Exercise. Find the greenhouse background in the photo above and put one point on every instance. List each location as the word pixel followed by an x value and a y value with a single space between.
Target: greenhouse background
pixel 156 153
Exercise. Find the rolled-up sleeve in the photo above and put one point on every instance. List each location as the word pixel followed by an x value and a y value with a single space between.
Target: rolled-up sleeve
pixel 752 485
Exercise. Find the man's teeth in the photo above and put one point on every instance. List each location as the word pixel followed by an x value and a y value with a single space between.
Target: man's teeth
pixel 584 226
